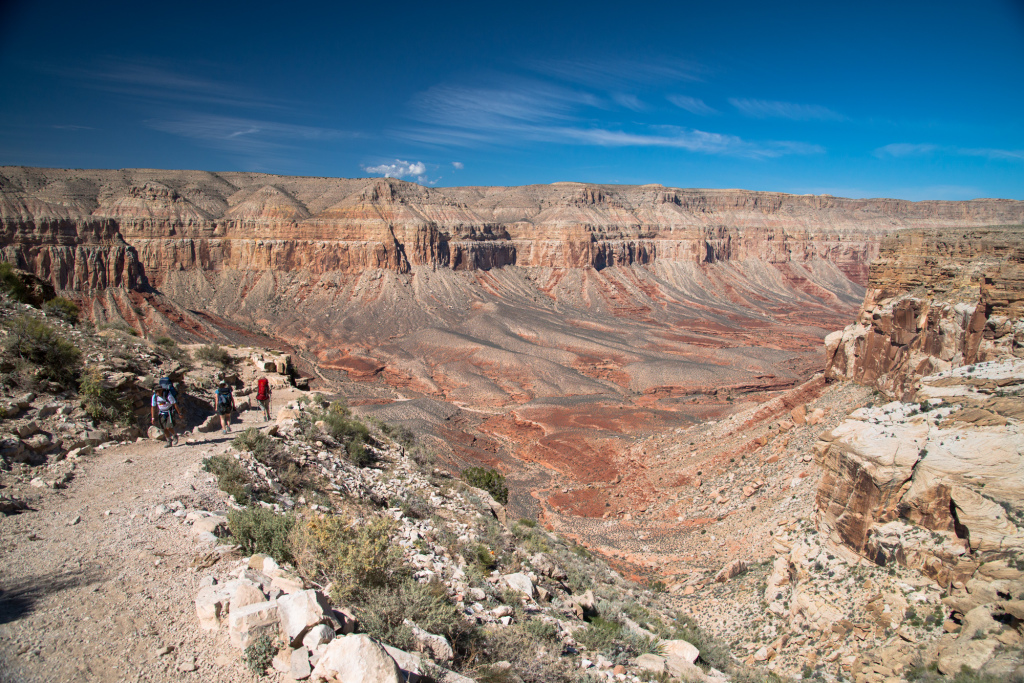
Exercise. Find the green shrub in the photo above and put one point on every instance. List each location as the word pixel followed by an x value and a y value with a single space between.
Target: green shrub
pixel 12 284
pixel 259 530
pixel 118 326
pixel 256 442
pixel 480 556
pixel 259 654
pixel 382 612
pixel 541 630
pixel 400 434
pixel 351 433
pixel 36 342
pixel 165 342
pixel 213 354
pixel 232 478
pixel 532 661
pixel 614 640
pixel 489 480
pixel 353 557
pixel 101 403
pixel 712 652
pixel 62 308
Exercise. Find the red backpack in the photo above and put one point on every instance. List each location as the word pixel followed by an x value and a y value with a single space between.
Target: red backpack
pixel 262 389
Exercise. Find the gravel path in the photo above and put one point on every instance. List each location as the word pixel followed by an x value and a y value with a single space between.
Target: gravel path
pixel 97 582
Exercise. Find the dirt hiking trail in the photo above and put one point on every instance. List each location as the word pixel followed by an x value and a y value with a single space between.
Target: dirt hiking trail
pixel 97 581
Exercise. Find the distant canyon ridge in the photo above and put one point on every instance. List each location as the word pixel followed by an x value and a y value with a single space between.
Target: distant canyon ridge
pixel 546 324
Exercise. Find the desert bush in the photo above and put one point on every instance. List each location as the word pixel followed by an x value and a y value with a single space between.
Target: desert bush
pixel 532 539
pixel 12 284
pixel 259 530
pixel 62 308
pixel 213 354
pixel 256 442
pixel 101 403
pixel 614 640
pixel 232 478
pixel 36 342
pixel 259 654
pixel 489 480
pixel 412 506
pixel 712 651
pixel 480 556
pixel 165 342
pixel 350 432
pixel 382 612
pixel 541 630
pixel 400 434
pixel 353 557
pixel 534 661
pixel 118 326
pixel 292 478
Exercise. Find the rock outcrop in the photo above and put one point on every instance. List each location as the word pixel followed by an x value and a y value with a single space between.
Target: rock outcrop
pixel 934 485
pixel 936 300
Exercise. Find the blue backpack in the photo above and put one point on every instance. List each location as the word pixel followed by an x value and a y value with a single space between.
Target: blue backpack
pixel 223 398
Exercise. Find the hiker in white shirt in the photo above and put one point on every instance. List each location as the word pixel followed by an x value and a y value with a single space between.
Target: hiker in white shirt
pixel 161 415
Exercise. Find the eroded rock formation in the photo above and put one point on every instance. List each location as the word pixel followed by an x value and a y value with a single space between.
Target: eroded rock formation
pixel 936 299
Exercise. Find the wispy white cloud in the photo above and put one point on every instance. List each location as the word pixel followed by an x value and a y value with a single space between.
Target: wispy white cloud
pixel 248 137
pixel 458 165
pixel 541 112
pixel 629 101
pixel 71 126
pixel 496 108
pixel 769 109
pixel 906 149
pixel 619 73
pixel 153 82
pixel 692 140
pixel 692 105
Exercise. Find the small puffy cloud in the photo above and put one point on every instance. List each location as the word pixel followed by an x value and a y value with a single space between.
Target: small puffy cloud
pixel 399 169
pixel 458 165
pixel 692 105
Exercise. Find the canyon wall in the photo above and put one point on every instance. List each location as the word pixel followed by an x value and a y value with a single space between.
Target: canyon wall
pixel 932 480
pixel 74 227
pixel 936 300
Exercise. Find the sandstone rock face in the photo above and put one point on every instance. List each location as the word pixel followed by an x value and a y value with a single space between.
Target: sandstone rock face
pixel 74 228
pixel 936 300
pixel 934 485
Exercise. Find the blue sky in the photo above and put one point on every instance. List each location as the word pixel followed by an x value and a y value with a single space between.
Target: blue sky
pixel 917 100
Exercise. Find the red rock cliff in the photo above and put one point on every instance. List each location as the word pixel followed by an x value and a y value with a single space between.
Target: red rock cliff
pixel 74 227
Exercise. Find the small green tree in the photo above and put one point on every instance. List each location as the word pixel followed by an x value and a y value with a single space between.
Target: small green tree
pixel 62 308
pixel 12 284
pixel 491 481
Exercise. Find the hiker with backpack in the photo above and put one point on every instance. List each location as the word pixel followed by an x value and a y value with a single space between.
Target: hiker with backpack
pixel 263 396
pixel 160 413
pixel 225 405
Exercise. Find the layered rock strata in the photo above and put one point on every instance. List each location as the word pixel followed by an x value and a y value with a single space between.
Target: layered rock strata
pixel 67 225
pixel 936 300
pixel 934 485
